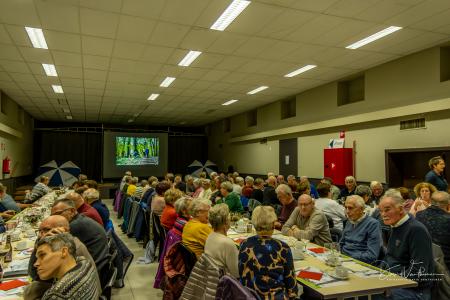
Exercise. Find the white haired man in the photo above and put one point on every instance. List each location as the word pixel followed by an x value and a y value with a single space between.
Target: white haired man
pixel 288 203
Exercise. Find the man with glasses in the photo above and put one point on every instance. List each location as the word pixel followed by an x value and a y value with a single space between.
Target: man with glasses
pixel 89 232
pixel 307 222
pixel 51 226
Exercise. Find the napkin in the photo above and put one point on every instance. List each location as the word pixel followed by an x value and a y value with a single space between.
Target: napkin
pixel 12 284
pixel 317 250
pixel 309 275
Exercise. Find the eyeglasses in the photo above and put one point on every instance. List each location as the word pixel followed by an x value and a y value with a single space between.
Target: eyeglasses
pixel 60 212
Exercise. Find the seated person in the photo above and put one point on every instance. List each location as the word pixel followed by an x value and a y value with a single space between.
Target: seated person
pixel 437 220
pixel 206 192
pixel 124 180
pixel 39 190
pixel 258 190
pixel 158 202
pixel 377 191
pixel 7 202
pixel 409 252
pixel 349 189
pixel 197 230
pixel 361 238
pixel 84 208
pixel 51 226
pixel 330 207
pixel 288 204
pixel 335 191
pixel 131 189
pixel 312 188
pixel 92 197
pixel 423 191
pixel 307 222
pixel 247 189
pixel 74 278
pixel 218 246
pixel 265 263
pixel 169 215
pixel 365 193
pixel 230 198
pixel 89 232
pixel 269 195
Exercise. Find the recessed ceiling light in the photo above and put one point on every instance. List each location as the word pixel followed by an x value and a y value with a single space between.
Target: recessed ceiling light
pixel 69 117
pixel 230 13
pixel 57 89
pixel 183 123
pixel 153 97
pixel 257 90
pixel 301 70
pixel 166 82
pixel 36 37
pixel 50 70
pixel 374 37
pixel 189 58
pixel 230 102
pixel 130 120
pixel 66 110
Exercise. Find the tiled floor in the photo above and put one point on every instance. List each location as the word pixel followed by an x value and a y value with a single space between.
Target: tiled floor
pixel 139 278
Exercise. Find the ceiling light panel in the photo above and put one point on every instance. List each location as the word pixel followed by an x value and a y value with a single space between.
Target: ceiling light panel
pixel 37 38
pixel 230 13
pixel 153 97
pixel 374 37
pixel 189 58
pixel 230 102
pixel 301 70
pixel 49 69
pixel 257 90
pixel 167 81
pixel 57 89
pixel 69 117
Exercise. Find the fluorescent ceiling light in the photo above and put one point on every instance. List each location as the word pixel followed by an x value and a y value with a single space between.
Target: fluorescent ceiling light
pixel 301 70
pixel 231 13
pixel 130 120
pixel 50 70
pixel 189 58
pixel 374 37
pixel 69 117
pixel 230 102
pixel 168 81
pixel 36 37
pixel 57 89
pixel 153 97
pixel 257 90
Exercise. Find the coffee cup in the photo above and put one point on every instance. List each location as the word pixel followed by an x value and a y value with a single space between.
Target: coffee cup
pixel 341 271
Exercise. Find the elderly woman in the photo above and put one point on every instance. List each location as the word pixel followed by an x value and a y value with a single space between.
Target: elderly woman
pixel 350 186
pixel 169 214
pixel 436 174
pixel 206 192
pixel 230 198
pixel 131 189
pixel 406 195
pixel 182 206
pixel 198 186
pixel 197 230
pixel 158 202
pixel 423 192
pixel 218 246
pixel 265 263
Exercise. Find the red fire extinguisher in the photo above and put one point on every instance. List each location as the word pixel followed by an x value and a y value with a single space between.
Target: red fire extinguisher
pixel 6 165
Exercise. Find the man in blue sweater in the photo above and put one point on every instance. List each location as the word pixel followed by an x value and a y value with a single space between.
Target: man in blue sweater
pixel 361 238
pixel 409 252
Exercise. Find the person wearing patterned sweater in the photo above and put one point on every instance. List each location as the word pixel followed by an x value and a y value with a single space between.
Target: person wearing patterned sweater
pixel 74 279
pixel 266 264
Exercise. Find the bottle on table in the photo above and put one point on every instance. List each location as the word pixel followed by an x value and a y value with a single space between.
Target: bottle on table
pixel 8 249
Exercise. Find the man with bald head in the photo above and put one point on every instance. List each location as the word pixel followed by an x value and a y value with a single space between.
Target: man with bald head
pixel 84 208
pixel 307 222
pixel 87 231
pixel 51 226
pixel 409 252
pixel 361 238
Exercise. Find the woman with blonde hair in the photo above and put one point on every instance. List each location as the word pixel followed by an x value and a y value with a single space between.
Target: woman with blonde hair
pixel 265 263
pixel 197 230
pixel 423 193
pixel 169 215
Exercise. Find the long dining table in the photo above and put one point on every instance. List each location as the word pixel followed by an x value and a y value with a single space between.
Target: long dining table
pixel 319 279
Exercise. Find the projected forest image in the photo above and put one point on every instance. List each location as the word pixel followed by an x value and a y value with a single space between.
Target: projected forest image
pixel 137 151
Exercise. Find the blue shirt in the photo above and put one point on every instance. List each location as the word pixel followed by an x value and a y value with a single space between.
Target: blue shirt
pixel 102 210
pixel 8 203
pixel 437 180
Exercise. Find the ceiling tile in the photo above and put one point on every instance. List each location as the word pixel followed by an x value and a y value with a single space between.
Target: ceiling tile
pixel 71 72
pixel 96 46
pixel 24 13
pixel 135 29
pixel 128 50
pixel 156 53
pixel 4 36
pixel 183 12
pixel 9 52
pixel 67 59
pixel 143 8
pixel 98 23
pixel 36 55
pixel 14 66
pixel 106 5
pixel 58 16
pixel 96 62
pixel 63 41
pixel 168 34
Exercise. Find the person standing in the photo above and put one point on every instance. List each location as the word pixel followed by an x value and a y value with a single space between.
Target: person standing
pixel 436 174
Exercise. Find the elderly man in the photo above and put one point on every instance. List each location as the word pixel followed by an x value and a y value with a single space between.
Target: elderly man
pixel 284 194
pixel 437 220
pixel 409 251
pixel 230 198
pixel 39 190
pixel 7 202
pixel 361 238
pixel 292 182
pixel 280 179
pixel 377 192
pixel 90 233
pixel 74 278
pixel 51 226
pixel 84 208
pixel 312 188
pixel 269 195
pixel 307 222
pixel 349 189
pixel 92 196
pixel 330 207
pixel 258 190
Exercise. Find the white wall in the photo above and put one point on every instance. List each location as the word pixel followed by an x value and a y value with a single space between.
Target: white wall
pixel 18 149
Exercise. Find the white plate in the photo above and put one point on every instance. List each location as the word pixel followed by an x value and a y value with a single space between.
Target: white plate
pixel 334 275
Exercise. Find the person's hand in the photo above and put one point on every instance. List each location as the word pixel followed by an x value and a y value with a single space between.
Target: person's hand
pixel 276 225
pixel 7 214
pixel 55 231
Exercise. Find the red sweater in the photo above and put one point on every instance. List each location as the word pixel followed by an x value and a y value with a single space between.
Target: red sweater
pixel 90 212
pixel 168 217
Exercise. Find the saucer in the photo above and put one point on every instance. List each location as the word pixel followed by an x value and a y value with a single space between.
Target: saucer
pixel 336 276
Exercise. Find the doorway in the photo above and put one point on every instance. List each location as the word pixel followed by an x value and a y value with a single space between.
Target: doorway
pixel 288 157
